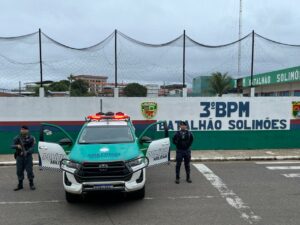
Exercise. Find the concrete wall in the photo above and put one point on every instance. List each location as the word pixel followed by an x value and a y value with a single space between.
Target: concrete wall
pixel 244 123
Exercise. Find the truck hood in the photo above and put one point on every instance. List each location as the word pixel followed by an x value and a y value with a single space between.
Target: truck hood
pixel 104 152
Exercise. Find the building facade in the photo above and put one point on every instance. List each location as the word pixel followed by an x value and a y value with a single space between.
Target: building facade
pixel 285 82
pixel 96 83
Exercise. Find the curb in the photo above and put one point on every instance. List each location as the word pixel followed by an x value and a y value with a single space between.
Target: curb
pixel 13 163
pixel 241 158
pixel 206 159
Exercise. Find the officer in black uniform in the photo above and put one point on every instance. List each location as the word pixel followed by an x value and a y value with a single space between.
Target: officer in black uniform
pixel 183 140
pixel 24 146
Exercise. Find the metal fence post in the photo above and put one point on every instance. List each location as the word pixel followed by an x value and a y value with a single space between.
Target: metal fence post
pixel 252 88
pixel 183 62
pixel 184 89
pixel 41 62
pixel 116 60
pixel 116 91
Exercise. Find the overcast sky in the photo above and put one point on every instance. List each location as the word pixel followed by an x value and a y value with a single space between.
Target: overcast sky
pixel 81 23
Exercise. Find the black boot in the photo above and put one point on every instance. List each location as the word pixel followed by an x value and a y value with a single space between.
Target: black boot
pixel 188 178
pixel 32 187
pixel 20 186
pixel 177 181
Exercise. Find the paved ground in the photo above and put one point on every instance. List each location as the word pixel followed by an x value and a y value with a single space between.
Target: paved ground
pixel 222 193
pixel 214 155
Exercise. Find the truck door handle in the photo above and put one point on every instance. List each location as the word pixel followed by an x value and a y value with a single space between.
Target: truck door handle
pixel 43 148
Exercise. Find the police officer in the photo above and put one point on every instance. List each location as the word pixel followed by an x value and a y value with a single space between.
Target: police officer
pixel 183 140
pixel 24 145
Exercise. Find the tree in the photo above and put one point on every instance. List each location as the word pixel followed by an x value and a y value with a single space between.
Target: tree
pixel 79 88
pixel 220 83
pixel 62 85
pixel 135 90
pixel 71 78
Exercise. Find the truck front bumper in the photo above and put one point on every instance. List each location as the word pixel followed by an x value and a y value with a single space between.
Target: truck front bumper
pixel 136 182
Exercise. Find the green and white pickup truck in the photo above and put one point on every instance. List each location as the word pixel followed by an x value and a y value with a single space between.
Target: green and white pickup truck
pixel 107 155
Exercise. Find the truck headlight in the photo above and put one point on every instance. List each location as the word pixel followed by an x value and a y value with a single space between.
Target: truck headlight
pixel 135 162
pixel 70 164
pixel 138 163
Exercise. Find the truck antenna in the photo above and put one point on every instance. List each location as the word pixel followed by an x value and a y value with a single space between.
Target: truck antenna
pixel 101 105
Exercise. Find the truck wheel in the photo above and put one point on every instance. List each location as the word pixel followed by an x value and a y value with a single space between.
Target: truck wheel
pixel 72 198
pixel 140 194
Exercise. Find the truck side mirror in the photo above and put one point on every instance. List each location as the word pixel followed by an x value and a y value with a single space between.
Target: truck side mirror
pixel 145 139
pixel 65 141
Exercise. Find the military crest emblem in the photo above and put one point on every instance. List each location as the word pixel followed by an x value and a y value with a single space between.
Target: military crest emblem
pixel 296 109
pixel 149 109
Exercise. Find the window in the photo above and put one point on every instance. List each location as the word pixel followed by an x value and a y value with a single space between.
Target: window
pixel 297 93
pixel 268 94
pixel 283 93
pixel 106 134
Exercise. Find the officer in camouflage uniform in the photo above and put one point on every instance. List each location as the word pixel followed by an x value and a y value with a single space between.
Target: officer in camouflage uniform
pixel 24 146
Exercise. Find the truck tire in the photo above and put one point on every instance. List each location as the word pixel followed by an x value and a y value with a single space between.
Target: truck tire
pixel 72 198
pixel 139 194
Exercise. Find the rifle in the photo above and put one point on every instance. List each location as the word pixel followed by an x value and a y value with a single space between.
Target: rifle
pixel 23 148
pixel 21 151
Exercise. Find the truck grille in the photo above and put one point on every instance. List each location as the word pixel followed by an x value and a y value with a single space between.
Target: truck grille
pixel 106 171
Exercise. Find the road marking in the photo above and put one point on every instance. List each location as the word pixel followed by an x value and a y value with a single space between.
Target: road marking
pixel 270 153
pixel 29 202
pixel 292 175
pixel 277 162
pixel 283 167
pixel 181 197
pixel 232 199
pixel 190 197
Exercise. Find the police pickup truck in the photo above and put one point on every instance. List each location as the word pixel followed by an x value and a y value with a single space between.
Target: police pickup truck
pixel 107 155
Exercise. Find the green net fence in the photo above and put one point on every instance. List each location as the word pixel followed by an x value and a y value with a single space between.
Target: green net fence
pixel 120 59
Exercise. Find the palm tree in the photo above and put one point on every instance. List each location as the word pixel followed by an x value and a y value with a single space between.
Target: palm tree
pixel 220 83
pixel 71 78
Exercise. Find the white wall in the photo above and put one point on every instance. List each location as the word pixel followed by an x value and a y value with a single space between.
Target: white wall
pixel 170 109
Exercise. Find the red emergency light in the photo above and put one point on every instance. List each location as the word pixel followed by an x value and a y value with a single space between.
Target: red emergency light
pixel 109 115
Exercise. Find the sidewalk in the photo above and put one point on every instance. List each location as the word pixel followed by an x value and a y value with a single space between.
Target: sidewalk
pixel 209 155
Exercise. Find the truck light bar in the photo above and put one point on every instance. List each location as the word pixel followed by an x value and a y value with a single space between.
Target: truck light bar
pixel 109 115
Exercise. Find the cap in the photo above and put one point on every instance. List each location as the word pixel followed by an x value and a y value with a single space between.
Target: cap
pixel 183 123
pixel 24 127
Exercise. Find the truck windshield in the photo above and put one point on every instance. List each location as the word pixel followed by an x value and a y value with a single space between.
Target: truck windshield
pixel 106 135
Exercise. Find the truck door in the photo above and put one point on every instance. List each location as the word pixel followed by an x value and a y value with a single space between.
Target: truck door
pixel 54 145
pixel 155 143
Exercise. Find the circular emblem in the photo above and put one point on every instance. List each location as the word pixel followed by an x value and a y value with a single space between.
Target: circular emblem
pixel 104 149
